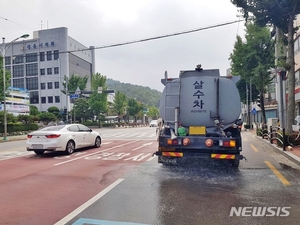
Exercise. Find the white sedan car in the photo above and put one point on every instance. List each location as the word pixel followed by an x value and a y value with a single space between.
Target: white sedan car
pixel 65 138
pixel 153 123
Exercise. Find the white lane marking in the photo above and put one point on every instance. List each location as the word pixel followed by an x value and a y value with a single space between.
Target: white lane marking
pixel 153 157
pixel 94 153
pixel 150 143
pixel 13 155
pixel 84 206
pixel 138 157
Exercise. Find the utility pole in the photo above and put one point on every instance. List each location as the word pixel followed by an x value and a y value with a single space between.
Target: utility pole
pixel 247 103
pixel 251 106
pixel 279 80
pixel 76 92
pixel 66 91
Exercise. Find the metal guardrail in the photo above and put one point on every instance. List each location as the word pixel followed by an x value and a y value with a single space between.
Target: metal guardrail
pixel 274 133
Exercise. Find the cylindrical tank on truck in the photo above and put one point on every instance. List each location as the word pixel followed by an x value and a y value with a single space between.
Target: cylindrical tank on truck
pixel 207 106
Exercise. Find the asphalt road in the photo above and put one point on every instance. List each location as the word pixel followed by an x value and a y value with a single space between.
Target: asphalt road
pixel 122 184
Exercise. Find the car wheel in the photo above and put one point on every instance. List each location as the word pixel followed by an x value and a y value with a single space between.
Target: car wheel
pixel 97 142
pixel 39 152
pixel 70 147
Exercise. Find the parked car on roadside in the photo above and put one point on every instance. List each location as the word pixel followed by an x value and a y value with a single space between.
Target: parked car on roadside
pixel 153 123
pixel 65 138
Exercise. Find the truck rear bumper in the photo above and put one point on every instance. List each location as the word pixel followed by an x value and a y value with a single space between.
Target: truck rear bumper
pixel 175 158
pixel 172 154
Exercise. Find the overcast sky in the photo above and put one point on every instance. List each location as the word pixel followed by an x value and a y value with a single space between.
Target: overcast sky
pixel 105 22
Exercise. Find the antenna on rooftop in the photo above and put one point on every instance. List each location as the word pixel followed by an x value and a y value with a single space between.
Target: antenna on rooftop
pixel 42 25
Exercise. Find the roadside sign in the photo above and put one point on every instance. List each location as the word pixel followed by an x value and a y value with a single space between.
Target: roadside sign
pixel 72 96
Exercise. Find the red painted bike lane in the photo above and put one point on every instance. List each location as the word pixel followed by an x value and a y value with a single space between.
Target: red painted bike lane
pixel 44 189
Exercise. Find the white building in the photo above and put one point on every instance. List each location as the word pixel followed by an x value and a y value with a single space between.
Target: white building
pixel 41 63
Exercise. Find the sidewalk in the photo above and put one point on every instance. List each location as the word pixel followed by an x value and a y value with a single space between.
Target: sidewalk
pixel 14 138
pixel 292 153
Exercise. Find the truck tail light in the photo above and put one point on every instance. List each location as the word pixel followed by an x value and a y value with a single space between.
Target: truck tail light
pixel 227 143
pixel 209 142
pixel 186 141
pixel 173 142
pixel 29 136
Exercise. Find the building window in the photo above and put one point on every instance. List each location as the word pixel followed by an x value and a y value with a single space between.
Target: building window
pixel 32 83
pixel 42 71
pixel 56 70
pixel 49 85
pixel 49 55
pixel 31 69
pixel 50 99
pixel 19 83
pixel 43 86
pixel 57 100
pixel 49 71
pixel 18 71
pixel 34 96
pixel 56 85
pixel 55 54
pixel 42 56
pixel 18 59
pixel 43 100
pixel 7 60
pixel 31 57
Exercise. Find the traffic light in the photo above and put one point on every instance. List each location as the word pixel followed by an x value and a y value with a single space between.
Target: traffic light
pixel 258 101
pixel 65 111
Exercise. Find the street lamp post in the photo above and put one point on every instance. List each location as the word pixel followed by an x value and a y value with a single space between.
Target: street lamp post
pixel 3 52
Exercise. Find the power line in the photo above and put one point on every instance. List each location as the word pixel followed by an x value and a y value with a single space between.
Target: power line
pixel 15 22
pixel 155 38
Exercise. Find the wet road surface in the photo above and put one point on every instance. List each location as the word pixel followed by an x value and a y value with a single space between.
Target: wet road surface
pixel 203 194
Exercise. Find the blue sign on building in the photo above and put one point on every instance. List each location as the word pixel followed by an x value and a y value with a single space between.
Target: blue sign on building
pixel 74 96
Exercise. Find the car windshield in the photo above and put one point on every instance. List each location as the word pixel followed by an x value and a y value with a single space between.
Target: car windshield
pixel 53 128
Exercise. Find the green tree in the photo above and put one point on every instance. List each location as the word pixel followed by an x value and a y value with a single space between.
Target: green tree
pixel 82 109
pixel 119 104
pixel 34 110
pixel 25 118
pixel 153 112
pixel 46 117
pixel 253 58
pixel 280 13
pixel 98 101
pixel 7 79
pixel 73 82
pixel 54 110
pixel 10 118
pixel 133 108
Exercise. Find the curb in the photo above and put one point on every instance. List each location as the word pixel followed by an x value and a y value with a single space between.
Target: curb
pixel 287 154
pixel 14 138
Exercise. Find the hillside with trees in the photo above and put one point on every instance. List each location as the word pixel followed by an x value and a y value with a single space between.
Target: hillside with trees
pixel 147 96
